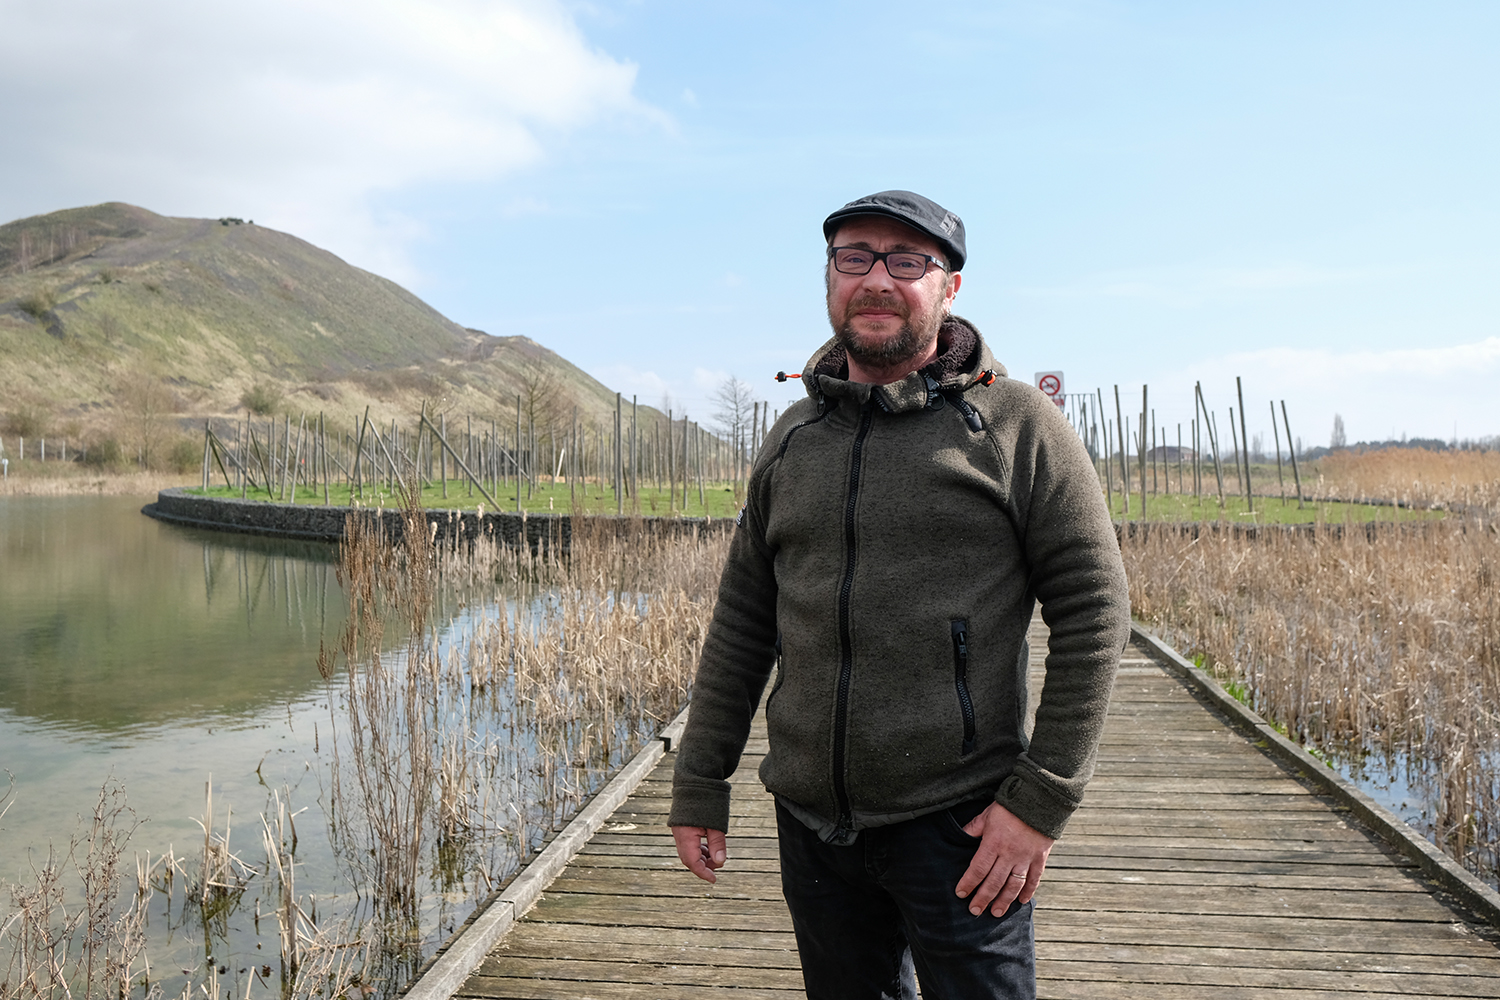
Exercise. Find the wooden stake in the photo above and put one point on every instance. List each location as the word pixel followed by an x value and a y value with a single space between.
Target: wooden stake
pixel 1291 447
pixel 1234 437
pixel 1245 443
pixel 1141 440
pixel 1124 469
pixel 297 458
pixel 1275 430
pixel 323 450
pixel 458 461
pixel 1213 438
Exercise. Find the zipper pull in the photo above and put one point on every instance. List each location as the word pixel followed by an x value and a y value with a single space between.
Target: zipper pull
pixel 934 393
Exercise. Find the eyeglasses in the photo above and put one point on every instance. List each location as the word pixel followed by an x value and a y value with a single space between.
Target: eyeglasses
pixel 901 265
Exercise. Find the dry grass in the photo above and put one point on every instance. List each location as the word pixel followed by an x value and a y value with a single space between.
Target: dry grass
pixel 524 680
pixel 69 933
pixel 1413 476
pixel 78 481
pixel 222 876
pixel 1384 643
pixel 514 684
pixel 74 930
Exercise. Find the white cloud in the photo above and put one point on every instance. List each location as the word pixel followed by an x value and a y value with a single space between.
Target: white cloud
pixel 694 395
pixel 647 387
pixel 1417 391
pixel 297 113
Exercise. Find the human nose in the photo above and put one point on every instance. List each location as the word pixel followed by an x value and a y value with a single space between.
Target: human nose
pixel 880 275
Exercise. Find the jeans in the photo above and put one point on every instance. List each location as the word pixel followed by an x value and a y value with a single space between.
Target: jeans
pixel 870 916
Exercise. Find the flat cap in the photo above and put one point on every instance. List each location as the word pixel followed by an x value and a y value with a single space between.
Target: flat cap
pixel 922 214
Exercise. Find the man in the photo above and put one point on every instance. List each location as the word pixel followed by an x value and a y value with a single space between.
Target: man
pixel 899 526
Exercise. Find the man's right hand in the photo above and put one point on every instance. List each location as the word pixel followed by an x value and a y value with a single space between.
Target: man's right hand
pixel 701 849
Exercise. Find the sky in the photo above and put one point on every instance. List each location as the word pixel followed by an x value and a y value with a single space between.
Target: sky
pixel 1299 194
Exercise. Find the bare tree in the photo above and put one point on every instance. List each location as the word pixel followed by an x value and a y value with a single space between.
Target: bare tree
pixel 1337 439
pixel 734 405
pixel 545 399
pixel 146 403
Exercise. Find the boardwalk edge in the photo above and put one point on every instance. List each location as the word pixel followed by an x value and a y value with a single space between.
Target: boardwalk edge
pixel 469 948
pixel 1447 872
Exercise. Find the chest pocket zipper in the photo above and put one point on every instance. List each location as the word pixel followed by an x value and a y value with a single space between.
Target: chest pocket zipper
pixel 780 673
pixel 961 679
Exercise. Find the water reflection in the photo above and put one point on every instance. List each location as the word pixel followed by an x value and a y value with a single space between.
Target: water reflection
pixel 112 621
pixel 153 658
pixel 156 657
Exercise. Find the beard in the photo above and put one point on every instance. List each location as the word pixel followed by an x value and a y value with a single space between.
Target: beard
pixel 912 339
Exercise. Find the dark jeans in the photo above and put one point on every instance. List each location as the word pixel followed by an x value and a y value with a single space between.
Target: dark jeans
pixel 869 915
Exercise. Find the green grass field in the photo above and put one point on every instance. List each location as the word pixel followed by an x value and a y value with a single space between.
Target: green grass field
pixel 1268 510
pixel 719 499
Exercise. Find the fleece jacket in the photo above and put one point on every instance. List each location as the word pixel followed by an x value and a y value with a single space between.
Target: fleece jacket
pixel 894 542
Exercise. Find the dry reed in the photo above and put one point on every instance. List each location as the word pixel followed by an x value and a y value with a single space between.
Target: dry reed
pixel 89 482
pixel 523 679
pixel 88 947
pixel 518 681
pixel 222 876
pixel 74 932
pixel 1383 642
pixel 1412 476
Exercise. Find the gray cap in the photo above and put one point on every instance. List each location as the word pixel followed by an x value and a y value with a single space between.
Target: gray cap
pixel 922 214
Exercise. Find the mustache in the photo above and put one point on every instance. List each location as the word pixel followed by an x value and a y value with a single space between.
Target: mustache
pixel 884 303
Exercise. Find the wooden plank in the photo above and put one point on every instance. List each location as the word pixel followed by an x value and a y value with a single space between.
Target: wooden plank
pixel 499 964
pixel 1197 867
pixel 535 933
pixel 1220 957
pixel 556 988
pixel 1316 980
pixel 1135 989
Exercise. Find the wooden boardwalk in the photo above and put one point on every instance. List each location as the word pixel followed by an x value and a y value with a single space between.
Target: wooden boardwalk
pixel 1198 867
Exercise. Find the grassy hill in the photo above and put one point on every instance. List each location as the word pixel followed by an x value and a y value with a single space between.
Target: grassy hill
pixel 110 310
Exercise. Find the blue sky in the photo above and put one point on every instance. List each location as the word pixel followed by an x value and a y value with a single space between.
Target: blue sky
pixel 1302 194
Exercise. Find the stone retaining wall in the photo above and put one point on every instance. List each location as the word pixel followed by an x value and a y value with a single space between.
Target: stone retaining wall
pixel 319 523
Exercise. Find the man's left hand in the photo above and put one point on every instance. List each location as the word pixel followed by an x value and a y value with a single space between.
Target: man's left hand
pixel 1008 864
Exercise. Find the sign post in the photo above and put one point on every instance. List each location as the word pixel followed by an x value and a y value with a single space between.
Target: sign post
pixel 1051 383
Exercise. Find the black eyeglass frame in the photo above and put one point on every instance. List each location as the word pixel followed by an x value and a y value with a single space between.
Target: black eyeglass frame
pixel 876 257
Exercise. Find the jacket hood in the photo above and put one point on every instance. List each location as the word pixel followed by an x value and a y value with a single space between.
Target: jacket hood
pixel 963 357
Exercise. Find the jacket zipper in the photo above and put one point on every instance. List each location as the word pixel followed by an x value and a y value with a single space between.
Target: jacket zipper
pixel 961 679
pixel 971 416
pixel 846 646
pixel 823 411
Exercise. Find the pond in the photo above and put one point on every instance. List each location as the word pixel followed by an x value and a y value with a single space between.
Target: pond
pixel 157 660
pixel 161 659
pixel 152 654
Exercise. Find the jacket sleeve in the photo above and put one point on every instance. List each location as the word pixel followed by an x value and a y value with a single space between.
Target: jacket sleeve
pixel 738 655
pixel 1079 579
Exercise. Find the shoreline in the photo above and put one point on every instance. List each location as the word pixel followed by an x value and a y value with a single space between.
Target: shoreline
pixel 142 484
pixel 538 531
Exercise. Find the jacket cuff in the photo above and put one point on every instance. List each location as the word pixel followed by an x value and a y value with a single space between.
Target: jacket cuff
pixel 1035 803
pixel 700 802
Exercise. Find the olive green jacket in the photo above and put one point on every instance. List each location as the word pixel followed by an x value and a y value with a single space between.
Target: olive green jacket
pixel 892 546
